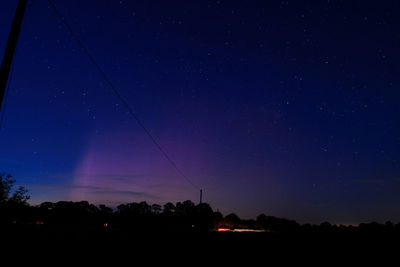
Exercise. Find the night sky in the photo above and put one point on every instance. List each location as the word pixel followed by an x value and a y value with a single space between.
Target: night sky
pixel 288 108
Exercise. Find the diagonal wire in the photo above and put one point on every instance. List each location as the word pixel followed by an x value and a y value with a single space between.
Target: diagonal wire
pixel 117 93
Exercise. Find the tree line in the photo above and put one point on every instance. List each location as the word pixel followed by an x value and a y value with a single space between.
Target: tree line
pixel 138 216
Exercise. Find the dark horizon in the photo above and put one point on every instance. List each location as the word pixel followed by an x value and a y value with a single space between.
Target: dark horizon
pixel 288 108
pixel 147 218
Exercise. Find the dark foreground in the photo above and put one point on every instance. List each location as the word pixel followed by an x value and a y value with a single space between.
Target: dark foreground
pixel 103 244
pixel 177 233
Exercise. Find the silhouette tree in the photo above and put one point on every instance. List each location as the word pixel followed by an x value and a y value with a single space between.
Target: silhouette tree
pixel 169 209
pixel 104 209
pixel 231 220
pixel 6 183
pixel 184 209
pixel 277 224
pixel 20 195
pixel 218 217
pixel 204 217
pixel 156 209
pixel 105 215
pixel 13 205
pixel 144 208
pixel 47 205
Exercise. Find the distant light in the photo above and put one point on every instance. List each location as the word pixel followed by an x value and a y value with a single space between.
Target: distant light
pixel 240 230
pixel 105 224
pixel 248 231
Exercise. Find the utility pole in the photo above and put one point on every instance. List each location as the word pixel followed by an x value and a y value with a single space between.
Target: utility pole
pixel 201 196
pixel 10 48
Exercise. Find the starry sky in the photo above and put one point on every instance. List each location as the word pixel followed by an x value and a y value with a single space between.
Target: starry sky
pixel 288 108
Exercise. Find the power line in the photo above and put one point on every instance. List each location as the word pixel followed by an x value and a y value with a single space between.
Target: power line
pixel 116 92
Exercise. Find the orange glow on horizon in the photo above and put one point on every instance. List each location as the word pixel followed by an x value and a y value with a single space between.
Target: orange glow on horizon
pixel 224 230
pixel 241 230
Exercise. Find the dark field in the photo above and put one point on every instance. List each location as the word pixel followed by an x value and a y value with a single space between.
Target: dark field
pixel 100 244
